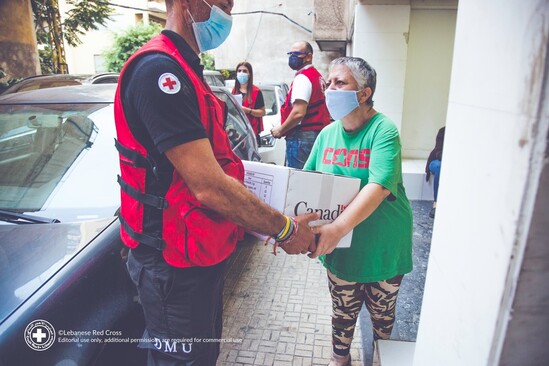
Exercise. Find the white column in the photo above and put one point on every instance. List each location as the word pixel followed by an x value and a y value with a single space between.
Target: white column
pixel 490 173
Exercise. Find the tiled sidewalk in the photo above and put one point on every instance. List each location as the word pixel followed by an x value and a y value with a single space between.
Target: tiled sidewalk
pixel 279 307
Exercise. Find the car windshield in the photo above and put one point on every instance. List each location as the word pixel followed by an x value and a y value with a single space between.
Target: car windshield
pixel 49 148
pixel 269 96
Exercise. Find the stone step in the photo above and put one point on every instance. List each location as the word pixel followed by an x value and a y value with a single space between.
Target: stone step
pixel 394 353
pixel 413 176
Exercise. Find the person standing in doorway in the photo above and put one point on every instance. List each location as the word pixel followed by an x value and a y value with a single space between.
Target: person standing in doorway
pixel 253 103
pixel 433 167
pixel 183 203
pixel 304 113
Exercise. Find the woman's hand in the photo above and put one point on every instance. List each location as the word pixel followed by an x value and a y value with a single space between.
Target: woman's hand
pixel 328 236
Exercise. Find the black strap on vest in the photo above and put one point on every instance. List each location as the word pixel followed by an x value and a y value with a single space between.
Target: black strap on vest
pixel 148 199
pixel 150 241
pixel 138 160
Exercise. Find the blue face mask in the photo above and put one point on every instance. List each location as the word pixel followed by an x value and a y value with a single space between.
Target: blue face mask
pixel 341 102
pixel 242 77
pixel 295 62
pixel 214 31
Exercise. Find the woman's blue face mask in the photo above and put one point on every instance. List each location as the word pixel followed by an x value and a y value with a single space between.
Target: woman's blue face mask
pixel 341 102
pixel 242 77
pixel 213 32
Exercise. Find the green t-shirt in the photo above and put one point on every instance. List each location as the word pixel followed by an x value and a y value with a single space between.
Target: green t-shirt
pixel 382 244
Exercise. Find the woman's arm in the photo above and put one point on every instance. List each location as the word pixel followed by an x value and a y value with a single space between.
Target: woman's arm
pixel 258 112
pixel 367 201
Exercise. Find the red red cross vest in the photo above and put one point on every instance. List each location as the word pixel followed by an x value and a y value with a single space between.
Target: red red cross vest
pixel 317 116
pixel 255 122
pixel 192 235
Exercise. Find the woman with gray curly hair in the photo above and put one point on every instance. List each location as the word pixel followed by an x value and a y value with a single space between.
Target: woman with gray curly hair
pixel 365 144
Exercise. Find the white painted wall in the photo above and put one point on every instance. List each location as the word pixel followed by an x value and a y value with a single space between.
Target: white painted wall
pixel 380 39
pixel 499 59
pixel 430 50
pixel 264 39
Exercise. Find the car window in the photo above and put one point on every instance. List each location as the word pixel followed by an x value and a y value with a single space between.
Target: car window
pixel 106 80
pixel 46 84
pixel 40 146
pixel 213 80
pixel 269 97
pixel 236 130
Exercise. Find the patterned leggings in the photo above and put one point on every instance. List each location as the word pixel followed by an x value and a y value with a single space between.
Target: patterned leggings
pixel 347 299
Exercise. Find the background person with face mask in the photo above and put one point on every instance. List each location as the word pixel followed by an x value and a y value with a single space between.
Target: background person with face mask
pixel 253 103
pixel 365 144
pixel 183 204
pixel 304 112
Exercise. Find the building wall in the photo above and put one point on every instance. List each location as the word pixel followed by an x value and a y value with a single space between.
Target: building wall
pixel 82 59
pixel 380 38
pixel 264 39
pixel 429 64
pixel 18 53
pixel 495 139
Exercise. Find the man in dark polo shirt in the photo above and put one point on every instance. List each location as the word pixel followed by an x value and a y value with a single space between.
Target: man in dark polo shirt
pixel 183 202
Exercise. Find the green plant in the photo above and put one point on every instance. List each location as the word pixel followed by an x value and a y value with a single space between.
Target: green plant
pixel 208 60
pixel 51 32
pixel 5 80
pixel 127 42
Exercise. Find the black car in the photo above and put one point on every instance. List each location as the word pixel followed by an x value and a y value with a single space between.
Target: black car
pixel 66 297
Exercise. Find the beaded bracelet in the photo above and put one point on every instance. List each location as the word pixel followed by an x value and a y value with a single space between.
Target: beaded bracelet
pixel 291 234
pixel 285 230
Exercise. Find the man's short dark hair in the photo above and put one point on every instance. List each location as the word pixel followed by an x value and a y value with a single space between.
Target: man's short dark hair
pixel 308 47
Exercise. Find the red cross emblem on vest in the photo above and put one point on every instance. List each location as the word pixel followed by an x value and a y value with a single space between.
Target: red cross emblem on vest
pixel 169 83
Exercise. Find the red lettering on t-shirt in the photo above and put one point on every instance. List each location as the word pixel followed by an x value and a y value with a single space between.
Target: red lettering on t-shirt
pixel 347 158
pixel 326 159
pixel 336 160
pixel 352 154
pixel 364 158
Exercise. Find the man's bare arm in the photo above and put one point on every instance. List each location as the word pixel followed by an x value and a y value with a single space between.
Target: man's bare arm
pixel 196 164
pixel 299 109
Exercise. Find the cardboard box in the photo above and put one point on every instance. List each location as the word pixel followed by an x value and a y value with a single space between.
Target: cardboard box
pixel 294 192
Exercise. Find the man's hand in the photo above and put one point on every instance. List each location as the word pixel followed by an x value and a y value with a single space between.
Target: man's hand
pixel 299 109
pixel 276 132
pixel 304 238
pixel 328 237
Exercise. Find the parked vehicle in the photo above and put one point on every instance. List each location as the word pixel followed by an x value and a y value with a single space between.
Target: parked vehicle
pixel 63 282
pixel 282 85
pixel 214 78
pixel 56 80
pixel 272 150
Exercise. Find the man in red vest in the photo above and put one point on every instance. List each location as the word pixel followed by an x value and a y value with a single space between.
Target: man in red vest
pixel 304 113
pixel 183 204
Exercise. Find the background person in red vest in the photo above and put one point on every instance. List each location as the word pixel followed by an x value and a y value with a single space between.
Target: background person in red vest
pixel 253 103
pixel 183 204
pixel 304 113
